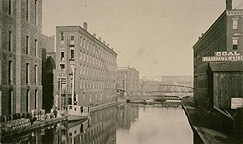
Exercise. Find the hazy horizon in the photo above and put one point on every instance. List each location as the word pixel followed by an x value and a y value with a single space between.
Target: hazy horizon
pixel 155 37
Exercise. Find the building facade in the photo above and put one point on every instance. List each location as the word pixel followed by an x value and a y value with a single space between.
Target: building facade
pixel 128 80
pixel 225 34
pixel 20 56
pixel 48 68
pixel 87 61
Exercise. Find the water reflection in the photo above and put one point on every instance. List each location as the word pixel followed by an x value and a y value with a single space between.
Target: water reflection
pixel 128 123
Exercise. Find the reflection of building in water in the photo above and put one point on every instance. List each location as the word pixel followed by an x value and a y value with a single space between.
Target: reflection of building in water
pixel 102 129
pixel 126 115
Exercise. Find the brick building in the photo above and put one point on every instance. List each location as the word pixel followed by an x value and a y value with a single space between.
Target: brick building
pixel 94 65
pixel 128 80
pixel 20 56
pixel 48 68
pixel 225 34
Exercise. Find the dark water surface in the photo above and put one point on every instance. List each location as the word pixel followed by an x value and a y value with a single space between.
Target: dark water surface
pixel 123 124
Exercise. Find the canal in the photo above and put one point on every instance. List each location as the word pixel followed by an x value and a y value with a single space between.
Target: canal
pixel 122 124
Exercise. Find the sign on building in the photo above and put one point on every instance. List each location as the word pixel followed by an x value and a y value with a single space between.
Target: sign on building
pixel 236 103
pixel 224 56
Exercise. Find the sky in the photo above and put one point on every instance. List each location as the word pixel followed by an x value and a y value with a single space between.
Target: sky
pixel 153 36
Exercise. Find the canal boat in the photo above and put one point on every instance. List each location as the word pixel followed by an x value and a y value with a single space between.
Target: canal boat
pixel 76 112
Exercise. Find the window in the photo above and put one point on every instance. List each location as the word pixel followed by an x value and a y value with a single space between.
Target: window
pixel 36 48
pixel 72 37
pixel 9 7
pixel 10 41
pixel 10 72
pixel 27 101
pixel 36 74
pixel 235 44
pixel 235 24
pixel 10 102
pixel 27 44
pixel 62 66
pixel 27 10
pixel 36 99
pixel 62 37
pixel 81 41
pixel 36 12
pixel 27 73
pixel 62 56
pixel 72 55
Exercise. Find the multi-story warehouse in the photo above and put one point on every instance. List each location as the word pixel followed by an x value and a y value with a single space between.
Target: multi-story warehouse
pixel 225 34
pixel 128 80
pixel 20 56
pixel 87 61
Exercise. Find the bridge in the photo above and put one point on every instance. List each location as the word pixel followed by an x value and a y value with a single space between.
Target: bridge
pixel 164 92
pixel 171 88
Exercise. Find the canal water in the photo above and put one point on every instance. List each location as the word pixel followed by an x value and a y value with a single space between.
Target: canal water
pixel 122 124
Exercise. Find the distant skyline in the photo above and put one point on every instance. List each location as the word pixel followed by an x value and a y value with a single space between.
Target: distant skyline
pixel 155 37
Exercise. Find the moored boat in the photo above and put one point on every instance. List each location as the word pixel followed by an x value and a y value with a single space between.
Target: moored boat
pixel 75 112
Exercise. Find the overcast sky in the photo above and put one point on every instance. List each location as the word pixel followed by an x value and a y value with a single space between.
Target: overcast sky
pixel 153 36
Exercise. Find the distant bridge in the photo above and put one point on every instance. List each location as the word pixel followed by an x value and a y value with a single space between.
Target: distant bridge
pixel 161 91
pixel 173 89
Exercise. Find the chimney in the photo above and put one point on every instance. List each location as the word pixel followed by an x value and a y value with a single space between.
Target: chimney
pixel 94 34
pixel 228 4
pixel 100 38
pixel 85 26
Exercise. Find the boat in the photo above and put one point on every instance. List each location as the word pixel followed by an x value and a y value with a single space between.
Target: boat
pixel 76 112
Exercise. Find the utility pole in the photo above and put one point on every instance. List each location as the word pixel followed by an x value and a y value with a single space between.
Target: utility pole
pixel 60 90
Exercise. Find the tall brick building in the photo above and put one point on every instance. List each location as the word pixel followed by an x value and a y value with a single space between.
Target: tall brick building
pixel 225 34
pixel 20 56
pixel 95 68
pixel 128 80
pixel 48 68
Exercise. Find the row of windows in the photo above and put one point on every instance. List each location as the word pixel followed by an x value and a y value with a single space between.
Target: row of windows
pixel 92 48
pixel 27 103
pixel 27 44
pixel 216 35
pixel 28 73
pixel 91 84
pixel 217 48
pixel 27 10
pixel 89 71
pixel 210 40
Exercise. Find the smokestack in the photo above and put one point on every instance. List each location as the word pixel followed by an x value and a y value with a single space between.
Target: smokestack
pixel 85 26
pixel 228 4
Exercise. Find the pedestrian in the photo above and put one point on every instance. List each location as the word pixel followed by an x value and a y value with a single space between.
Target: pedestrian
pixel 55 112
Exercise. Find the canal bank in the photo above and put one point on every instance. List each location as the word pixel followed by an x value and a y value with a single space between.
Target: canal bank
pixel 208 127
pixel 39 124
